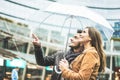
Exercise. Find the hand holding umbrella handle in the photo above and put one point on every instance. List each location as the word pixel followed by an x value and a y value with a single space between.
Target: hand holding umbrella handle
pixel 57 71
pixel 61 67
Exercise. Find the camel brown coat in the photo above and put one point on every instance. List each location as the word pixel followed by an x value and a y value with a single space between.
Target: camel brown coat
pixel 84 67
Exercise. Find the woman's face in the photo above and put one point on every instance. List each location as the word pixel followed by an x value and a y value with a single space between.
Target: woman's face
pixel 84 36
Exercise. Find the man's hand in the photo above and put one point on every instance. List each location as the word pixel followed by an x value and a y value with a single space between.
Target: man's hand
pixel 36 41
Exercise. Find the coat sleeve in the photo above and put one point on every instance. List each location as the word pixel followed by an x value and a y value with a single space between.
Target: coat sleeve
pixel 41 59
pixel 86 68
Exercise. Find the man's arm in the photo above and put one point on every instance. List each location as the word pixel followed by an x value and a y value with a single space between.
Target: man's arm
pixel 40 59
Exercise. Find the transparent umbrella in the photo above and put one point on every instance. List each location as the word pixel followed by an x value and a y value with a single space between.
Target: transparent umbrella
pixel 81 16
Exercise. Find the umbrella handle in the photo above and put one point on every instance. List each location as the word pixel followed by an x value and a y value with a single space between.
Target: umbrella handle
pixel 57 71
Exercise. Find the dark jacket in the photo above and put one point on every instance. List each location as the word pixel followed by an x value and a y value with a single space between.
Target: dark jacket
pixel 49 61
pixel 54 59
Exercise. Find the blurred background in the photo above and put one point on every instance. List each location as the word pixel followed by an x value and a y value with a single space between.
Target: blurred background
pixel 20 18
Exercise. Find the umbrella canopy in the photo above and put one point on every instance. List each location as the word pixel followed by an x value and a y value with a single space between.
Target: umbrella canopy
pixel 83 12
pixel 80 12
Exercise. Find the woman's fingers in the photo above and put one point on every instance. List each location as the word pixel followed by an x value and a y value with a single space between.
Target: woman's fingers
pixel 63 64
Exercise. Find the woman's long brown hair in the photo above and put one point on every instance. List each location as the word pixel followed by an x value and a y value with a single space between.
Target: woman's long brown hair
pixel 97 43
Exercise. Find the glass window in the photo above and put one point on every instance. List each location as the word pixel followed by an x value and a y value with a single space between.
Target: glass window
pixel 56 37
pixel 41 33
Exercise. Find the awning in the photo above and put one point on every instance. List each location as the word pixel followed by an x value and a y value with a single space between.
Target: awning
pixel 9 54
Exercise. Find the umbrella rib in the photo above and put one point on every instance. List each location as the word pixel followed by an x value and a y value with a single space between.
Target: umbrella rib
pixel 79 21
pixel 68 35
pixel 46 18
pixel 64 22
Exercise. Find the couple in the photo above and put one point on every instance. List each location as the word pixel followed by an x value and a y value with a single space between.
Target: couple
pixel 82 62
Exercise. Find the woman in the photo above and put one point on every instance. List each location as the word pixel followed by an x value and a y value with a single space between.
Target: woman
pixel 87 65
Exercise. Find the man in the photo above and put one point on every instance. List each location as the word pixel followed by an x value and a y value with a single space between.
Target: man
pixel 14 74
pixel 54 59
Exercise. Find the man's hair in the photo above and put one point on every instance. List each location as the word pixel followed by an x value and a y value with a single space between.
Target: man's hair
pixel 17 67
pixel 79 31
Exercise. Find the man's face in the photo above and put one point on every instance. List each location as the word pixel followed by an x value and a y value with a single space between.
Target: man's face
pixel 17 69
pixel 75 42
